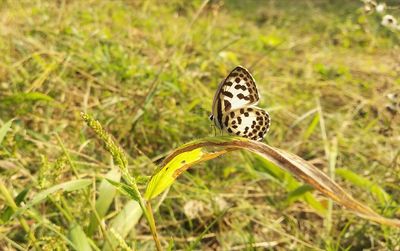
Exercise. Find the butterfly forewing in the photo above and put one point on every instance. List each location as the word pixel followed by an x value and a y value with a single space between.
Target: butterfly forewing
pixel 248 122
pixel 236 91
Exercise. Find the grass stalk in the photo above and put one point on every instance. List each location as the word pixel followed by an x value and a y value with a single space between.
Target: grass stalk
pixel 87 194
pixel 121 161
pixel 331 158
pixel 152 224
pixel 64 149
pixel 11 203
pixel 12 243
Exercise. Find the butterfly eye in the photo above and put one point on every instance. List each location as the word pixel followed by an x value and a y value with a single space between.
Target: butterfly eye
pixel 211 117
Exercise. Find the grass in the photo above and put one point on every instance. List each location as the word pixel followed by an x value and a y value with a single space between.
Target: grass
pixel 148 72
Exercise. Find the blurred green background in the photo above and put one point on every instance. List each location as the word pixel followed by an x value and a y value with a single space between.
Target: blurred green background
pixel 328 74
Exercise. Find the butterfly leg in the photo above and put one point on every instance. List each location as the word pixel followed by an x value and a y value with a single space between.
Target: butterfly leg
pixel 215 130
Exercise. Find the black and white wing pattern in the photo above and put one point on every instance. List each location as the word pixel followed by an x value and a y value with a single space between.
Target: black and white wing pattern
pixel 248 122
pixel 234 109
pixel 237 90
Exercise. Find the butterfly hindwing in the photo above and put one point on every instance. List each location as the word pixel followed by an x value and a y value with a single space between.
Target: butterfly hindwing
pixel 248 122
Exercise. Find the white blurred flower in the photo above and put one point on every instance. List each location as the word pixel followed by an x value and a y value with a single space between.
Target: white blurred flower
pixel 369 2
pixel 380 7
pixel 194 208
pixel 392 96
pixel 369 5
pixel 221 203
pixel 389 21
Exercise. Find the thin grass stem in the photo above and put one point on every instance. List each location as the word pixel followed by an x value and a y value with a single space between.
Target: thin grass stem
pixel 121 161
pixel 11 203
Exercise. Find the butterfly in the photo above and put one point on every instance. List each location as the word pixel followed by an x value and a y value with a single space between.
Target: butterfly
pixel 234 106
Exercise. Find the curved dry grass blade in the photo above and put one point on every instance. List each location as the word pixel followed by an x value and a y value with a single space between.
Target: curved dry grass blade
pixel 205 149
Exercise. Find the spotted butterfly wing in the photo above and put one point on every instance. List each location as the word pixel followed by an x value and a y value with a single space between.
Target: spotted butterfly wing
pixel 249 122
pixel 236 91
pixel 234 108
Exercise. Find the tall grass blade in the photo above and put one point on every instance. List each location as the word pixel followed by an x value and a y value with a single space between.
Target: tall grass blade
pixel 22 97
pixel 66 186
pixel 4 129
pixel 124 189
pixel 107 193
pixel 364 183
pixel 298 193
pixel 288 182
pixel 78 237
pixel 123 223
pixel 311 128
pixel 8 211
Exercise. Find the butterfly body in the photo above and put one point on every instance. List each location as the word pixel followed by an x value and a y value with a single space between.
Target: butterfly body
pixel 234 106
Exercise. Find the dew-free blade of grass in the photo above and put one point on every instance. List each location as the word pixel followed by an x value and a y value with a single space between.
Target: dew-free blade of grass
pixel 42 78
pixel 78 237
pixel 295 189
pixel 123 223
pixel 310 129
pixel 9 200
pixel 125 189
pixel 26 97
pixel 66 186
pixel 4 129
pixel 364 183
pixel 121 160
pixel 298 193
pixel 107 193
pixel 268 168
pixel 8 211
pixel 209 148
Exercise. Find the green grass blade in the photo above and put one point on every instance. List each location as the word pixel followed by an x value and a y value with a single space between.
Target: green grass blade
pixel 78 237
pixel 66 186
pixel 310 129
pixel 123 223
pixel 296 190
pixel 125 189
pixel 107 193
pixel 4 129
pixel 298 193
pixel 26 97
pixel 366 184
pixel 303 192
pixel 8 211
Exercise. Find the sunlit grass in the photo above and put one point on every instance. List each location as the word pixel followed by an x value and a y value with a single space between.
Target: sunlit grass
pixel 148 72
